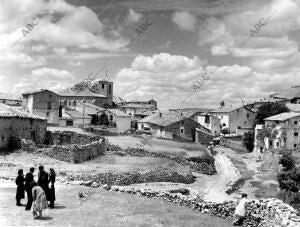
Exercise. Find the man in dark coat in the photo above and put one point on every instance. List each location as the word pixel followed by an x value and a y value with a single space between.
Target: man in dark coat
pixel 52 189
pixel 28 180
pixel 43 181
pixel 20 187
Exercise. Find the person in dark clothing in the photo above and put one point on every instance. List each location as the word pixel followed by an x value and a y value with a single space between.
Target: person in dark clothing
pixel 43 181
pixel 28 180
pixel 52 189
pixel 20 187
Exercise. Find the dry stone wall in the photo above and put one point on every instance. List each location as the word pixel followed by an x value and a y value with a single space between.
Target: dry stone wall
pixel 260 213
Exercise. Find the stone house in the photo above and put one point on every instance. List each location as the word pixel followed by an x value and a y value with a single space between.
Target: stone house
pixel 120 119
pixel 105 88
pixel 137 107
pixel 291 95
pixel 72 99
pixel 17 123
pixel 237 119
pixel 43 103
pixel 210 122
pixel 170 125
pixel 287 126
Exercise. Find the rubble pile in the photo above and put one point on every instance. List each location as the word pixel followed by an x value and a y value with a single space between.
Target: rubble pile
pixel 260 213
pixel 199 166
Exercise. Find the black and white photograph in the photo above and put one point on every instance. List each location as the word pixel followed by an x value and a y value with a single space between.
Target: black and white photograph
pixel 141 113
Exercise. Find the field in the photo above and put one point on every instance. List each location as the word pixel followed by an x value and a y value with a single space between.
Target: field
pixel 159 145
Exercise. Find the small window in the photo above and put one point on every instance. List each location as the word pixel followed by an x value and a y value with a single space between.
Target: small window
pixel 182 123
pixel 2 138
pixel 74 103
pixel 277 144
pixel 248 115
pixel 207 119
pixel 49 96
pixel 295 122
pixel 182 130
pixel 109 89
pixel 295 145
pixel 111 117
pixel 271 143
pixel 276 122
pixel 295 133
pixel 142 126
pixel 102 86
pixel 239 127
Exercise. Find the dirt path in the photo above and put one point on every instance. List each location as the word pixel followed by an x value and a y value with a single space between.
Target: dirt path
pixel 104 208
pixel 215 186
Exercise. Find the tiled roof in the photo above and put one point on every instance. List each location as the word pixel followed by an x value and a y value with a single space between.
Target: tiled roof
pixel 228 109
pixel 76 114
pixel 89 108
pixel 70 92
pixel 9 111
pixel 118 113
pixel 283 116
pixel 165 119
pixel 36 91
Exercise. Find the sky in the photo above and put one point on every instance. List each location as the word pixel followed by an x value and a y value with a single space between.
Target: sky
pixel 239 50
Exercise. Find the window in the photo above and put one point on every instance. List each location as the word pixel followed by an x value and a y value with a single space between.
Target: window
pixel 277 144
pixel 239 127
pixel 102 86
pixel 74 103
pixel 49 105
pixel 49 96
pixel 111 117
pixel 109 89
pixel 2 138
pixel 295 145
pixel 271 143
pixel 248 115
pixel 276 122
pixel 295 133
pixel 182 123
pixel 181 130
pixel 207 119
pixel 295 122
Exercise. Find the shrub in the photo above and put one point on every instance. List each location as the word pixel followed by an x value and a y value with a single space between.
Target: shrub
pixel 287 161
pixel 225 131
pixel 248 141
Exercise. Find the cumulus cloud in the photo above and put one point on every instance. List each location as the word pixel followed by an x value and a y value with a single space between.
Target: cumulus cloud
pixel 53 79
pixel 185 21
pixel 169 79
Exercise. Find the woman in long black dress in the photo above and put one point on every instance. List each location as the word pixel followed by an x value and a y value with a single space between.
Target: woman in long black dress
pixel 20 187
pixel 52 189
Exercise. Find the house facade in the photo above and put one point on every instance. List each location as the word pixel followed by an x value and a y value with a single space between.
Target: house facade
pixel 120 119
pixel 10 99
pixel 135 108
pixel 21 124
pixel 238 120
pixel 210 122
pixel 43 103
pixel 287 126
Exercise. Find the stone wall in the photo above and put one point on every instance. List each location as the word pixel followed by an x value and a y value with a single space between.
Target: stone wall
pixel 199 166
pixel 77 153
pixel 259 213
pixel 232 144
pixel 204 137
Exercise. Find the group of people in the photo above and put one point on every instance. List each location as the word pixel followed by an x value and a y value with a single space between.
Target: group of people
pixel 38 193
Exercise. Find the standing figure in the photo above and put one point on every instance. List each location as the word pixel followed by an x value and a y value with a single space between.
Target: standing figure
pixel 52 189
pixel 20 187
pixel 39 200
pixel 43 181
pixel 28 180
pixel 240 210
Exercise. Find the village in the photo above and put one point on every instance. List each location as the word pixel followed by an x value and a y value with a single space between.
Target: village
pixel 146 113
pixel 231 149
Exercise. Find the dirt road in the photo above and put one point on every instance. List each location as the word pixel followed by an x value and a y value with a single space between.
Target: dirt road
pixel 215 186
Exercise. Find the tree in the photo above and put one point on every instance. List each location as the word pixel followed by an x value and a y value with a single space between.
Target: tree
pixel 103 119
pixel 248 141
pixel 270 109
pixel 225 131
pixel 267 132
